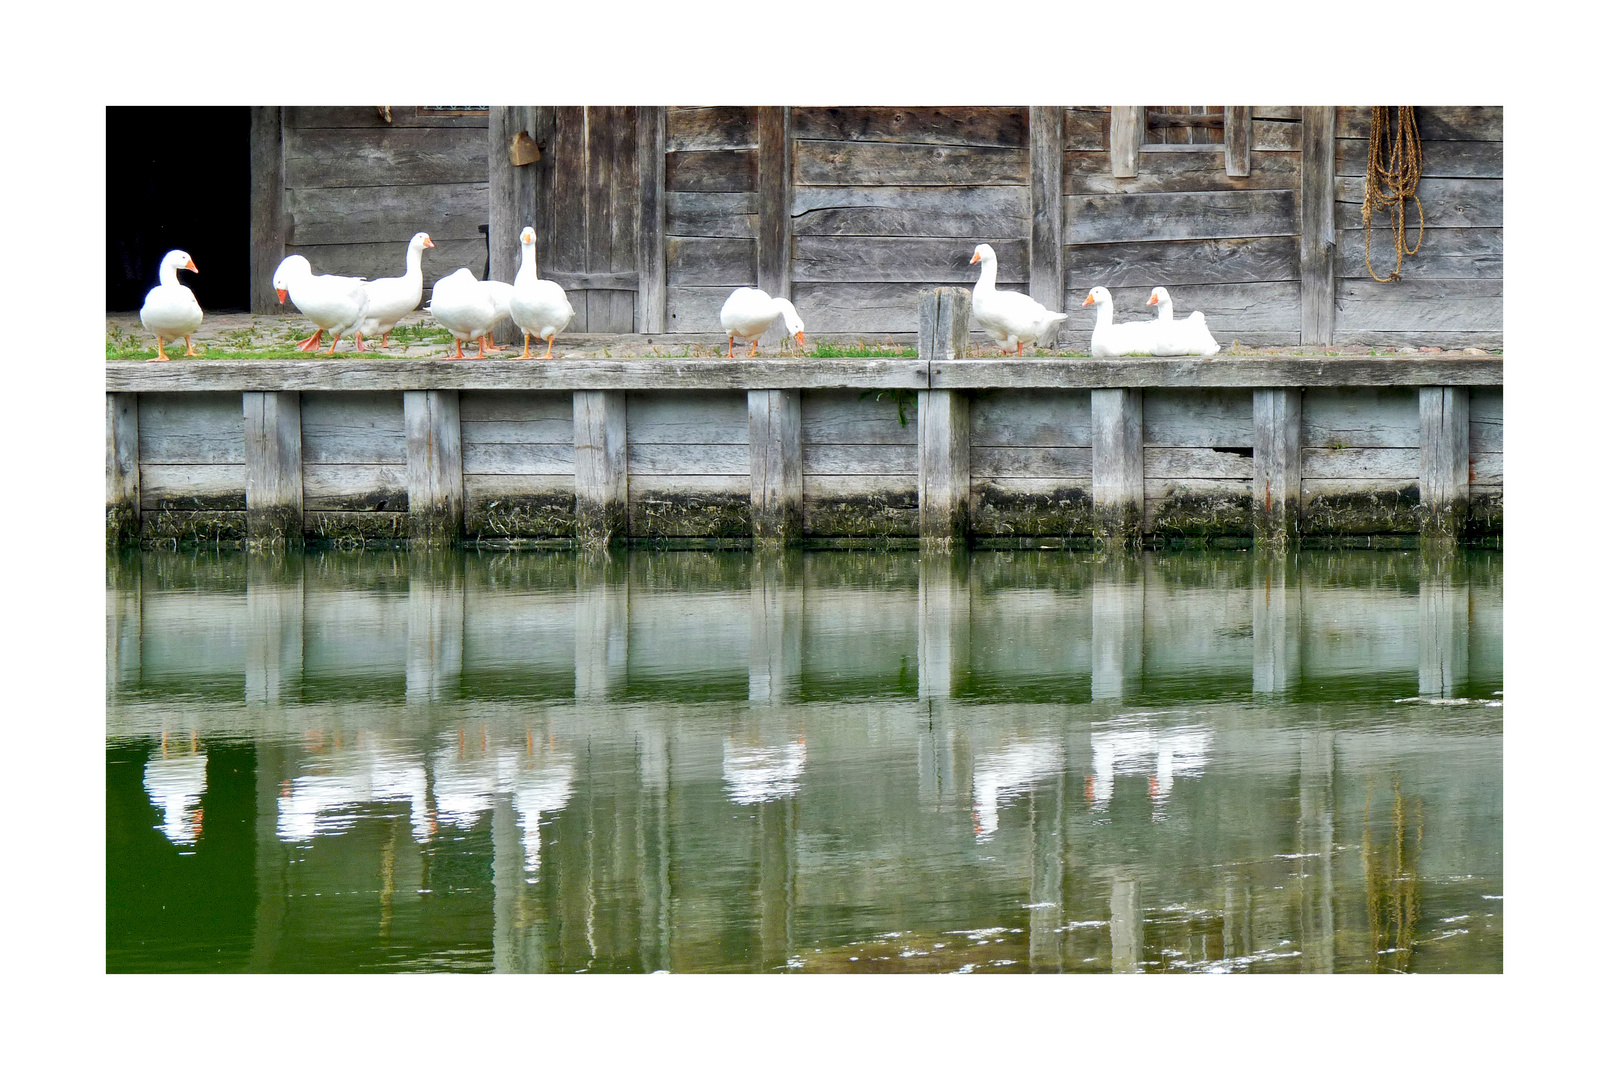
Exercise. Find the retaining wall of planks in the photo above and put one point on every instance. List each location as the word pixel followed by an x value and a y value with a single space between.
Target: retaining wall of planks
pixel 778 451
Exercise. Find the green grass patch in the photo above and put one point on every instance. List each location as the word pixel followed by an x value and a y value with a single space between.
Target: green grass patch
pixel 833 350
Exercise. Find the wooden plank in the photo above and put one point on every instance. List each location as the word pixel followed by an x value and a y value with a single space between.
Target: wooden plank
pixel 1117 463
pixel 369 116
pixel 1181 262
pixel 567 250
pixel 600 467
pixel 697 309
pixel 389 215
pixel 1485 471
pixel 994 462
pixel 1027 418
pixel 686 459
pixel 483 487
pixel 884 163
pixel 203 428
pixel 1444 253
pixel 776 466
pixel 1368 463
pixel 122 470
pixel 873 459
pixel 351 487
pixel 1218 418
pixel 435 467
pixel 1228 498
pixel 1045 195
pixel 712 213
pixel 353 427
pixel 1443 461
pixel 698 417
pixel 1127 132
pixel 1089 172
pixel 711 170
pixel 830 417
pixel 650 311
pixel 1441 159
pixel 1277 465
pixel 1458 304
pixel 1452 122
pixel 1237 140
pixel 1207 215
pixel 522 459
pixel 1084 127
pixel 541 411
pixel 273 444
pixel 501 209
pixel 1449 203
pixel 1352 416
pixel 705 260
pixel 615 246
pixel 1318 225
pixel 774 187
pixel 1452 340
pixel 911 211
pixel 1485 421
pixel 269 225
pixel 192 486
pixel 897 258
pixel 944 463
pixel 722 127
pixel 386 260
pixel 948 125
pixel 336 157
pixel 869 308
pixel 1195 462
pixel 1275 135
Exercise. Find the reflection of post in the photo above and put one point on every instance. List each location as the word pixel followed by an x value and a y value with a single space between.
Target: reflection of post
pixel 653 789
pixel 274 598
pixel 272 886
pixel 1117 632
pixel 778 825
pixel 1045 885
pixel 1238 939
pixel 1317 802
pixel 1443 627
pixel 123 620
pixel 1276 625
pixel 435 623
pixel 1128 925
pixel 776 627
pixel 935 760
pixel 943 622
pixel 602 610
pixel 516 936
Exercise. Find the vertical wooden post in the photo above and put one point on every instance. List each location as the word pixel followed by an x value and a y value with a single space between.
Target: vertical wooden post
pixel 1276 416
pixel 1237 140
pixel 651 293
pixel 1128 126
pixel 273 468
pixel 1128 925
pixel 435 467
pixel 511 199
pixel 1318 224
pixel 1045 199
pixel 775 202
pixel 776 467
pixel 1117 462
pixel 600 467
pixel 602 625
pixel 943 422
pixel 122 470
pixel 268 225
pixel 1443 462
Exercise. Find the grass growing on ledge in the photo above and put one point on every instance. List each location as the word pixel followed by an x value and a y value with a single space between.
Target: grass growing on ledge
pixel 831 350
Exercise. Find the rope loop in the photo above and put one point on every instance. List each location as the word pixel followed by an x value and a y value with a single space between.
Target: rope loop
pixel 1396 160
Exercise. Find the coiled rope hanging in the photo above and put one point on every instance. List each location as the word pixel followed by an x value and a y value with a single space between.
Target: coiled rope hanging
pixel 1392 178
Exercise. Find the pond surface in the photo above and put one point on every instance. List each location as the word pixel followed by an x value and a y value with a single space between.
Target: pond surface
pixel 823 761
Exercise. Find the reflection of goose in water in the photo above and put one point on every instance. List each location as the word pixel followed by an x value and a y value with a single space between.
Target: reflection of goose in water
pixel 311 805
pixel 541 785
pixel 175 786
pixel 1001 776
pixel 1158 756
pixel 756 774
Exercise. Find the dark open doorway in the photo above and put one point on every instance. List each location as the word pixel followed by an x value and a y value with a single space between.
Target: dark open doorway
pixel 178 178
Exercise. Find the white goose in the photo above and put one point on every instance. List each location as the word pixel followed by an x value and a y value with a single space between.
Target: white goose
pixel 461 304
pixel 390 298
pixel 1117 339
pixel 334 303
pixel 1187 338
pixel 1009 317
pixel 539 308
pixel 748 312
pixel 170 309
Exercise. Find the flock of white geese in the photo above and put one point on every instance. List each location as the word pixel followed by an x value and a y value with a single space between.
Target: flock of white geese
pixel 469 308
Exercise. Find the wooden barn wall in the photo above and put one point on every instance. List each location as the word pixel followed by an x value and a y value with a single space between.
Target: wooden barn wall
pixel 357 189
pixel 712 223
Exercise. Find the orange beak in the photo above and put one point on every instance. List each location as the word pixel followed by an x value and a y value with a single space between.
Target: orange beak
pixel 281 293
pixel 800 338
pixel 1151 301
pixel 975 258
pixel 1088 300
pixel 190 265
pixel 429 242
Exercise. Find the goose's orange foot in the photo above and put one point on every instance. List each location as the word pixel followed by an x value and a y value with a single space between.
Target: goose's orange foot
pixel 189 349
pixel 311 343
pixel 333 344
pixel 729 341
pixel 754 347
pixel 385 340
pixel 160 355
pixel 359 347
pixel 549 354
pixel 459 355
pixel 526 355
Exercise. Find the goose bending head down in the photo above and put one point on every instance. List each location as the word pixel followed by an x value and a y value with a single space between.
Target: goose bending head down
pixel 393 297
pixel 334 303
pixel 748 312
pixel 465 307
pixel 539 308
pixel 1011 318
pixel 170 309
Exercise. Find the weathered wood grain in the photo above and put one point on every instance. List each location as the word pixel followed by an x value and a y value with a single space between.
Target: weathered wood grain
pixel 1443 461
pixel 687 459
pixel 1344 416
pixel 943 469
pixel 1198 418
pixel 1072 373
pixel 368 116
pixel 435 467
pixel 386 260
pixel 1276 465
pixel 362 427
pixel 711 170
pixel 1181 262
pixel 859 307
pixel 1414 305
pixel 354 487
pixel 721 127
pixel 696 309
pixel 1237 140
pixel 776 466
pixel 870 459
pixel 1199 506
pixel 886 163
pixel 888 259
pixel 192 486
pixel 1089 172
pixel 1275 135
pixel 1127 132
pixel 337 157
pixel 712 213
pixel 651 138
pixel 199 428
pixel 1485 421
pixel 391 215
pixel 1360 463
pixel 540 417
pixel 273 444
pixel 774 191
pixel 1029 418
pixel 704 260
pixel 846 417
pixel 600 466
pixel 1444 253
pixel 692 417
pixel 1454 122
pixel 269 225
pixel 1318 225
pixel 949 125
pixel 1441 159
pixel 1045 197
pixel 964 213
pixel 1117 463
pixel 1105 219
pixel 995 462
pixel 502 207
pixel 122 470
pixel 484 487
pixel 1200 462
pixel 1485 471
pixel 1084 127
pixel 1448 203
pixel 521 459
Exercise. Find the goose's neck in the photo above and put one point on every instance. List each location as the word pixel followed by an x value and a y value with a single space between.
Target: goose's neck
pixel 1164 310
pixel 168 274
pixel 783 306
pixel 528 258
pixel 1103 313
pixel 416 258
pixel 986 277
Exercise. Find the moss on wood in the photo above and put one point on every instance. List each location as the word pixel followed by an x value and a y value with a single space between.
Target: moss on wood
pixel 1064 513
pixel 355 529
pixel 664 514
pixel 1182 512
pixel 1485 515
pixel 545 516
pixel 1362 513
pixel 224 529
pixel 880 516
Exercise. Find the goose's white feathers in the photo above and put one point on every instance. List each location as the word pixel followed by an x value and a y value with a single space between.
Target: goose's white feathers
pixel 463 305
pixel 1186 337
pixel 170 309
pixel 393 297
pixel 1012 319
pixel 333 302
pixel 748 312
pixel 1117 339
pixel 538 307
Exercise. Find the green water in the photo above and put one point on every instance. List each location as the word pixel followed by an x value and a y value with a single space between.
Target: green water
pixel 827 761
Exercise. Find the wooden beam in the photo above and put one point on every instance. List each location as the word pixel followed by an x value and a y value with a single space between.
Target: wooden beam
pixel 1117 463
pixel 435 467
pixel 1237 140
pixel 944 319
pixel 1318 224
pixel 651 294
pixel 776 467
pixel 1227 372
pixel 943 466
pixel 1443 462
pixel 273 469
pixel 1276 416
pixel 1128 131
pixel 600 467
pixel 621 280
pixel 268 225
pixel 122 470
pixel 775 204
pixel 508 211
pixel 1045 282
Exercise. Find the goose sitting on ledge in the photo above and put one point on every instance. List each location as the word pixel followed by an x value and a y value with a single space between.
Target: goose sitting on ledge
pixel 334 303
pixel 1189 337
pixel 1117 339
pixel 170 309
pixel 1009 317
pixel 748 312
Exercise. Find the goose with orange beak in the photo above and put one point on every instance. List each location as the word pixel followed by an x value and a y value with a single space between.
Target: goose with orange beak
pixel 539 308
pixel 391 298
pixel 170 309
pixel 1188 337
pixel 334 303
pixel 1011 318
pixel 748 313
pixel 1117 339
